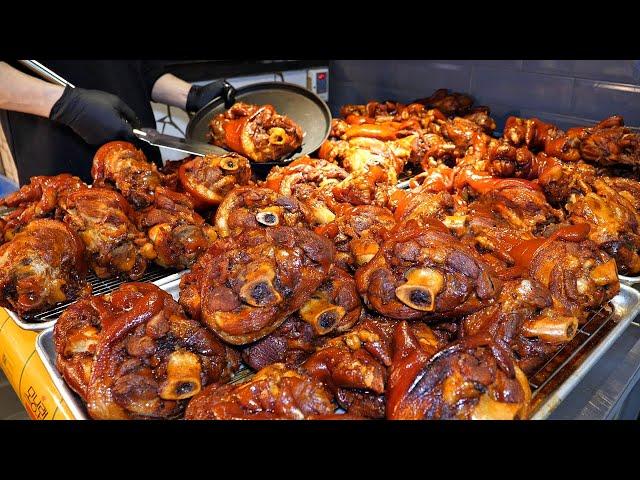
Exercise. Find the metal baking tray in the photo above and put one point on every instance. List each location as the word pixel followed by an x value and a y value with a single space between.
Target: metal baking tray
pixel 154 274
pixel 551 384
pixel 555 380
pixel 46 351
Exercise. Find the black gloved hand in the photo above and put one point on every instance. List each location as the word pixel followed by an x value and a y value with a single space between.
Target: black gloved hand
pixel 98 117
pixel 200 95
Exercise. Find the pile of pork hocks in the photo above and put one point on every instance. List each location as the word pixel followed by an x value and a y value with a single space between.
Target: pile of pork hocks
pixel 338 288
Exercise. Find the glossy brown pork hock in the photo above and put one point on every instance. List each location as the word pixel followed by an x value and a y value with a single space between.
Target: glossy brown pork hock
pixel 434 179
pixel 373 167
pixel 134 354
pixel 542 137
pixel 473 379
pixel 627 188
pixel 274 393
pixel 357 233
pixel 402 118
pixel 608 207
pixel 244 287
pixel 207 180
pixel 449 103
pixel 177 233
pixel 420 204
pixel 431 149
pixel 38 199
pixel 526 319
pixel 353 366
pixel 122 166
pixel 335 306
pixel 256 207
pixel 463 133
pixel 42 265
pixel 310 181
pixel 371 109
pixel 503 217
pixel 614 222
pixel 257 132
pixel 102 219
pixel 425 272
pixel 366 187
pixel 579 275
pixel 412 345
pixel 608 143
pixel 481 117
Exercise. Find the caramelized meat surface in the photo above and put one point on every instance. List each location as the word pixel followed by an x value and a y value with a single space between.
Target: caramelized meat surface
pixel 42 265
pixel 472 379
pixel 102 219
pixel 256 207
pixel 256 132
pixel 357 233
pixel 244 288
pixel 122 166
pixel 177 233
pixel 275 392
pixel 38 199
pixel 422 272
pixel 134 354
pixel 207 180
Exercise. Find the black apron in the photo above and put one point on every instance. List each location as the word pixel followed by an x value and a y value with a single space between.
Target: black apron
pixel 42 147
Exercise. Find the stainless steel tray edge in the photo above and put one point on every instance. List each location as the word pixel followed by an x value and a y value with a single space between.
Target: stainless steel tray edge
pixel 46 352
pixel 44 348
pixel 627 307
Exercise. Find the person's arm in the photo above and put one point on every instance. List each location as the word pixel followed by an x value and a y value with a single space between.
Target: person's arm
pixel 174 91
pixel 96 116
pixel 171 90
pixel 20 92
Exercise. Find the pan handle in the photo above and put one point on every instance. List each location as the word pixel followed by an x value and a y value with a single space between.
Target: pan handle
pixel 228 94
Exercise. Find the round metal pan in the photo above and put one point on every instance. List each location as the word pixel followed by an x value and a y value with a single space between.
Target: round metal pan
pixel 301 105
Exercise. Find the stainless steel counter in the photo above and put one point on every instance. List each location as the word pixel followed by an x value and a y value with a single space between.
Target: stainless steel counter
pixel 610 390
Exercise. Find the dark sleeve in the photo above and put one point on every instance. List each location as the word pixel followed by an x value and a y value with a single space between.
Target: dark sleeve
pixel 151 71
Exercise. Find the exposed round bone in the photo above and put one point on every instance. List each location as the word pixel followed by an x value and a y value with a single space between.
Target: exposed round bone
pixel 421 288
pixel 183 376
pixel 258 290
pixel 551 329
pixel 269 219
pixel 277 136
pixel 229 163
pixel 321 314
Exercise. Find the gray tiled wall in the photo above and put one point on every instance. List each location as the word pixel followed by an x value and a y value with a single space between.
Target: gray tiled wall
pixel 565 92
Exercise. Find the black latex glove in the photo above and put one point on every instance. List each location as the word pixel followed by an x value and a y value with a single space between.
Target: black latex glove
pixel 98 117
pixel 200 95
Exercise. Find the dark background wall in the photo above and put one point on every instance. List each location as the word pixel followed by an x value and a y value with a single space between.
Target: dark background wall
pixel 564 92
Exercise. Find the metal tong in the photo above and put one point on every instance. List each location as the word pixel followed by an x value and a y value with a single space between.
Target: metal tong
pixel 148 135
